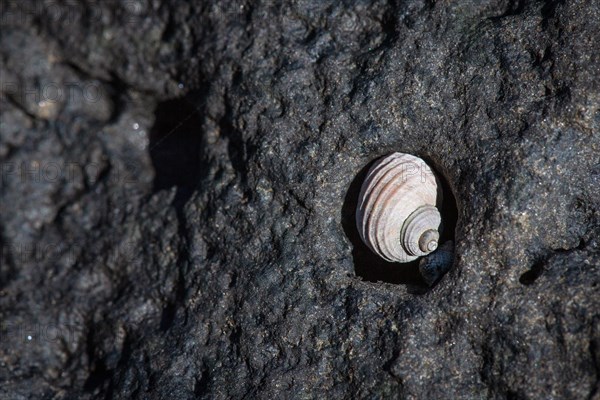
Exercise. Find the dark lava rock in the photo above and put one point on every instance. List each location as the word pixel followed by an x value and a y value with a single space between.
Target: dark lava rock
pixel 179 182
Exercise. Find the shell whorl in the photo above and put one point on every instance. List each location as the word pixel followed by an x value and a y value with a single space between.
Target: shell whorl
pixel 397 216
pixel 420 231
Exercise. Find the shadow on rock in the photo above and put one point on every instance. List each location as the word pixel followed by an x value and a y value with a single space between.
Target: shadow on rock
pixel 368 265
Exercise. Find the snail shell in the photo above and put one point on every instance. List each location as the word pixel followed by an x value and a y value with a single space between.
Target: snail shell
pixel 397 215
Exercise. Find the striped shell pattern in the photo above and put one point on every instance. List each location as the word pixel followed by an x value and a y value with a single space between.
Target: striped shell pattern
pixel 397 215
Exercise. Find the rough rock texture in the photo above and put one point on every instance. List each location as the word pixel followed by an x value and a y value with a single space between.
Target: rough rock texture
pixel 178 185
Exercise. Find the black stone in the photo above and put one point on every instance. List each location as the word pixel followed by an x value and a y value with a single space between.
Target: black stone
pixel 176 195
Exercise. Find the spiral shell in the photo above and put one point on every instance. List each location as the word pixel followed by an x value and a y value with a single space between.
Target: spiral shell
pixel 397 215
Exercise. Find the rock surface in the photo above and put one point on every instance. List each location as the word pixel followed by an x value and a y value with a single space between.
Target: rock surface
pixel 179 179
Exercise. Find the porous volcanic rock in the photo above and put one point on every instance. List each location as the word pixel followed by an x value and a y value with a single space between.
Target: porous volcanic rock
pixel 179 181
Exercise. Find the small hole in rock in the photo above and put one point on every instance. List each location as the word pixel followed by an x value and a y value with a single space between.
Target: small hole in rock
pixel 370 266
pixel 530 276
